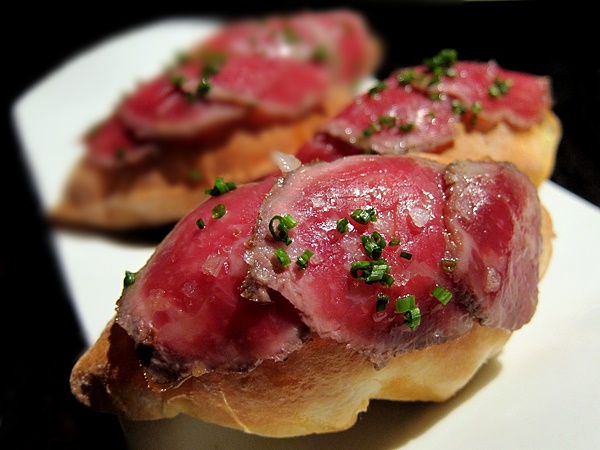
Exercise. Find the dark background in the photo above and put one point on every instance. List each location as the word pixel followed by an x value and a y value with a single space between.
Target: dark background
pixel 40 337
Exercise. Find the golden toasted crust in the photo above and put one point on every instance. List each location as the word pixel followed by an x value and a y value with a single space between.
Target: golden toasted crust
pixel 320 388
pixel 532 150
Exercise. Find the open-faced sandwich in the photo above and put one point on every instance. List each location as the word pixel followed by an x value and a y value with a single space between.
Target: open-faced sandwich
pixel 255 85
pixel 282 306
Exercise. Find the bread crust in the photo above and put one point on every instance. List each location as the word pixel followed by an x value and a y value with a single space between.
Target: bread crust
pixel 532 150
pixel 320 388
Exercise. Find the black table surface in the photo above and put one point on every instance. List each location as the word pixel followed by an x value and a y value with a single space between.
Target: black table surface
pixel 41 338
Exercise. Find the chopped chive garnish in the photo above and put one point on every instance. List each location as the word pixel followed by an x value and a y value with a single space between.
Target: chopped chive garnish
pixel 221 187
pixel 441 64
pixel 406 127
pixel 382 302
pixel 405 303
pixel 203 87
pixel 373 245
pixel 379 270
pixel 476 107
pixel 412 318
pixel 378 87
pixel 364 216
pixel 177 81
pixel 342 225
pixel 359 268
pixel 372 272
pixel 200 223
pixel 129 278
pixel 458 107
pixel 448 264
pixel 283 257
pixel 218 211
pixel 302 260
pixel 371 130
pixel 500 87
pixel 442 294
pixel 281 231
pixel 406 255
pixel 387 121
pixel 394 242
pixel 320 54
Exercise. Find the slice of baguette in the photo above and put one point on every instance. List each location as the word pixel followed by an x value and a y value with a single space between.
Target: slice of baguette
pixel 320 388
pixel 162 189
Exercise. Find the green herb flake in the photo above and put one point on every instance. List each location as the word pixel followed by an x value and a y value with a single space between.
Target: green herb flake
pixel 458 107
pixel 412 318
pixel 382 302
pixel 372 272
pixel 200 224
pixel 500 87
pixel 442 294
pixel 129 278
pixel 320 54
pixel 373 245
pixel 203 87
pixel 364 216
pixel 406 77
pixel 342 225
pixel 377 88
pixel 371 130
pixel 406 127
pixel 302 260
pixel 281 231
pixel 177 81
pixel 282 256
pixel 387 121
pixel 405 303
pixel 221 187
pixel 219 211
pixel 441 64
pixel 406 255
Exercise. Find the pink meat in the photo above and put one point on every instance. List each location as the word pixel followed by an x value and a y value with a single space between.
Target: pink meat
pixel 158 108
pixel 323 147
pixel 110 143
pixel 409 199
pixel 526 102
pixel 493 219
pixel 186 304
pixel 365 123
pixel 483 216
pixel 336 39
pixel 275 88
pixel 219 298
pixel 377 121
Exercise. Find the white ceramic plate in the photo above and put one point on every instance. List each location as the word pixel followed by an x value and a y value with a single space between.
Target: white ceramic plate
pixel 542 392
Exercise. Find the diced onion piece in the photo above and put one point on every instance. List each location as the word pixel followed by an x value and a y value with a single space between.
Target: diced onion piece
pixel 284 161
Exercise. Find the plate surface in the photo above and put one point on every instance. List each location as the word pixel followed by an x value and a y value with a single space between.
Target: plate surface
pixel 543 391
